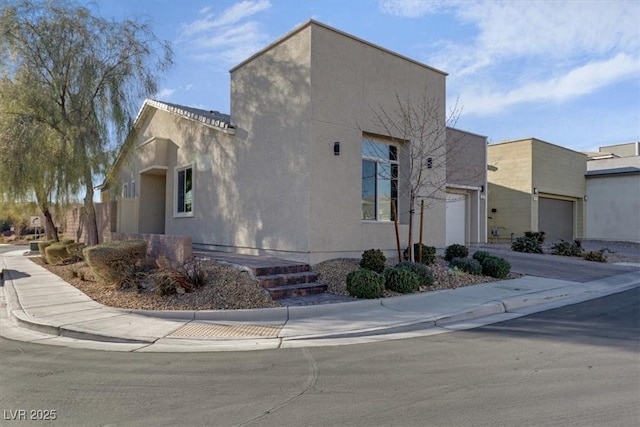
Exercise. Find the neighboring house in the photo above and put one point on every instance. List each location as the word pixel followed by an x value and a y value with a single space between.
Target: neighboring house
pixel 466 208
pixel 536 186
pixel 613 193
pixel 291 171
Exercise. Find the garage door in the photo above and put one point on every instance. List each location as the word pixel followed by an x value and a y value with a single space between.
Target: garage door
pixel 456 219
pixel 555 217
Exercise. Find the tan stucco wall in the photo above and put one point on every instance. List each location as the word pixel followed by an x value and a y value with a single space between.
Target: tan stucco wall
pixel 556 172
pixel 623 150
pixel 350 80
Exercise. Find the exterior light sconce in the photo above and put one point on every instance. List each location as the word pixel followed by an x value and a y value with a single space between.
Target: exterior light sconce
pixel 535 190
pixel 585 197
pixel 482 188
pixel 429 162
pixel 336 148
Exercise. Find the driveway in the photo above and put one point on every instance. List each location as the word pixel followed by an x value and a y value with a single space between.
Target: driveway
pixel 558 267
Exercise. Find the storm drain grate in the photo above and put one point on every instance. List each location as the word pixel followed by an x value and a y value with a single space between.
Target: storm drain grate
pixel 218 330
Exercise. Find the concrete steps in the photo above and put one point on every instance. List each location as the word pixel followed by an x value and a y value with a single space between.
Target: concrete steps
pixel 287 281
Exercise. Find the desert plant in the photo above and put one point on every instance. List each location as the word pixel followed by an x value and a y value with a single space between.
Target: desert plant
pixel 56 253
pixel 428 253
pixel 455 251
pixel 42 245
pixel 565 248
pixel 111 262
pixel 527 245
pixel 365 283
pixel 481 255
pixel 596 256
pixel 495 266
pixel 538 236
pixel 401 280
pixel 468 265
pixel 424 272
pixel 374 260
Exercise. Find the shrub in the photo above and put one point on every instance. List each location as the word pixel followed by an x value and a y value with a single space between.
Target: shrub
pixel 424 272
pixel 455 251
pixel 364 283
pixel 374 260
pixel 468 265
pixel 480 256
pixel 538 236
pixel 495 266
pixel 401 280
pixel 42 246
pixel 597 256
pixel 527 245
pixel 565 248
pixel 112 262
pixel 428 253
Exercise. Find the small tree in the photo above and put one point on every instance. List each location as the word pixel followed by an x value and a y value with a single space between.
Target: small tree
pixel 418 128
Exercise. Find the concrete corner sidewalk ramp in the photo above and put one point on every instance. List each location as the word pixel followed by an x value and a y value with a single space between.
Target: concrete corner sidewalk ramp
pixel 54 312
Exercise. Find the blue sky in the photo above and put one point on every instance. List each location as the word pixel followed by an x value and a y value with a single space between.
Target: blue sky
pixel 567 72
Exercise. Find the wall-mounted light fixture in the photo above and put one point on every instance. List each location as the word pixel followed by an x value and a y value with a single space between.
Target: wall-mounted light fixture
pixel 429 162
pixel 336 148
pixel 482 188
pixel 585 197
pixel 535 190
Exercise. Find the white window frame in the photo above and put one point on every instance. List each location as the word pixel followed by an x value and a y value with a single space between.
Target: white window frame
pixel 125 190
pixel 379 160
pixel 132 189
pixel 176 172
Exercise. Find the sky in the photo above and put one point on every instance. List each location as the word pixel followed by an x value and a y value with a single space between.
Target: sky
pixel 565 72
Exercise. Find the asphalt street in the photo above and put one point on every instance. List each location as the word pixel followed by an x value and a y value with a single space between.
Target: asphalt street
pixel 577 365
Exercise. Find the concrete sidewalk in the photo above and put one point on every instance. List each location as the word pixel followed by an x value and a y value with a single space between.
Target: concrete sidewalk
pixel 39 307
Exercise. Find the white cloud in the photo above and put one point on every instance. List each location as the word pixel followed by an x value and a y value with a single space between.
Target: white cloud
pixel 582 80
pixel 413 8
pixel 227 36
pixel 164 93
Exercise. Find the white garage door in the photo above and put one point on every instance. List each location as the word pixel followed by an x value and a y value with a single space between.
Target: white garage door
pixel 456 219
pixel 555 217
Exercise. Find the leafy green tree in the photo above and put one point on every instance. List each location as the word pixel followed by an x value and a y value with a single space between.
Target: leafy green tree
pixel 86 77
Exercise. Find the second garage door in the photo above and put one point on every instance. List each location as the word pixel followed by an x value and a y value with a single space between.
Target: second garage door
pixel 555 217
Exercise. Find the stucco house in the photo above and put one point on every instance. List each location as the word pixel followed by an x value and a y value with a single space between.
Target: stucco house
pixel 536 186
pixel 613 193
pixel 291 172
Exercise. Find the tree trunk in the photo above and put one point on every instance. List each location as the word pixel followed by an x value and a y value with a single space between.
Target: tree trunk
pixel 50 228
pixel 90 210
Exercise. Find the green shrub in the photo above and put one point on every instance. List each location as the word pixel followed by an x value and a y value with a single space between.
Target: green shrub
pixel 364 283
pixel 428 253
pixel 374 260
pixel 565 248
pixel 495 266
pixel 455 251
pixel 42 246
pixel 538 236
pixel 401 280
pixel 597 256
pixel 75 250
pixel 56 253
pixel 480 256
pixel 112 262
pixel 527 245
pixel 468 265
pixel 424 272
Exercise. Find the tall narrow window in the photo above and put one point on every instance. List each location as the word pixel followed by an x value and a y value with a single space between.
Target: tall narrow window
pixel 184 193
pixel 379 180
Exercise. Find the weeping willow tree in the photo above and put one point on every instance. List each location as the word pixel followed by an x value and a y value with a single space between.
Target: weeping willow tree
pixel 90 74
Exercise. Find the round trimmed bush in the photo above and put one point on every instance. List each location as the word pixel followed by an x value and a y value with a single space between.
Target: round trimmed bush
pixel 364 283
pixel 401 280
pixel 112 261
pixel 374 260
pixel 428 253
pixel 497 267
pixel 481 255
pixel 455 251
pixel 424 272
pixel 42 246
pixel 468 265
pixel 56 253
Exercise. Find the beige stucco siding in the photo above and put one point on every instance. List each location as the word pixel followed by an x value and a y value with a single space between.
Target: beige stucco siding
pixel 349 80
pixel 613 207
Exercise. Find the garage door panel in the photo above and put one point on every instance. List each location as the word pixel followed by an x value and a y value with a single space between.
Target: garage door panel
pixel 555 218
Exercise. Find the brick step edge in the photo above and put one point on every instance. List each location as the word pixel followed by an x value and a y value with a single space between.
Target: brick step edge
pixel 289 291
pixel 287 279
pixel 280 269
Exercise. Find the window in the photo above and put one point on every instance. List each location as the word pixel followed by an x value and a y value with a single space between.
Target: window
pixel 184 193
pixel 125 190
pixel 132 189
pixel 379 180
